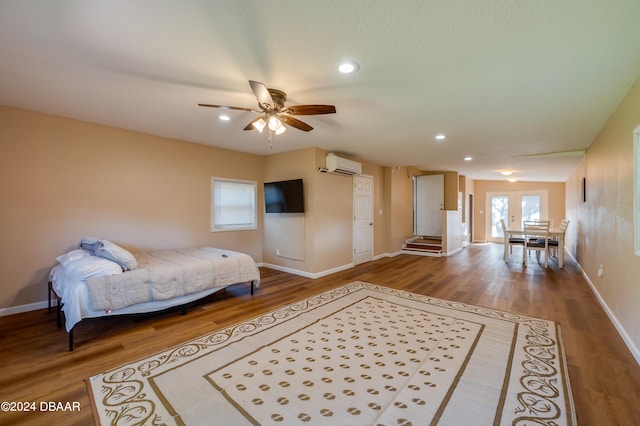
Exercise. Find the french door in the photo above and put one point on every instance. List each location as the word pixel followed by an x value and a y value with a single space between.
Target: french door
pixel 513 207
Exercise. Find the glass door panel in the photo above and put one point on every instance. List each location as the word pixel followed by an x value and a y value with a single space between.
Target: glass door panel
pixel 513 207
pixel 499 210
pixel 531 206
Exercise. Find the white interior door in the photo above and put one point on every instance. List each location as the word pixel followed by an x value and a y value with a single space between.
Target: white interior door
pixel 428 205
pixel 514 207
pixel 362 219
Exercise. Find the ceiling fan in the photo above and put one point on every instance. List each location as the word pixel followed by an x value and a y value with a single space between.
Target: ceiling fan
pixel 274 115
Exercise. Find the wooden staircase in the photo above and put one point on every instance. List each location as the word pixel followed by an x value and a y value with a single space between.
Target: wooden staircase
pixel 426 245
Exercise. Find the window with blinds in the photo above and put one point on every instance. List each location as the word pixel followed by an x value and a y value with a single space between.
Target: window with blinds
pixel 233 204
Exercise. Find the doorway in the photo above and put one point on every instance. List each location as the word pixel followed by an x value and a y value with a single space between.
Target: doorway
pixel 362 219
pixel 428 202
pixel 513 207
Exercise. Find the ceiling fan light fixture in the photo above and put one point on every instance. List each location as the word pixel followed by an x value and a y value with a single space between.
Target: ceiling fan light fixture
pixel 259 125
pixel 274 123
pixel 224 117
pixel 280 130
pixel 512 179
pixel 506 172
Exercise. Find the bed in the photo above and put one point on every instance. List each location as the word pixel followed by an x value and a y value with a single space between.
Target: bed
pixel 101 279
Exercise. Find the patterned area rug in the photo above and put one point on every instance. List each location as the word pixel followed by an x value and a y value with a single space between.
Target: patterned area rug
pixel 359 354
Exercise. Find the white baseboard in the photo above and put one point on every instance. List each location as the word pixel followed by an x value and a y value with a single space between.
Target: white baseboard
pixel 420 253
pixel 427 253
pixel 307 274
pixel 328 271
pixel 452 252
pixel 621 331
pixel 23 308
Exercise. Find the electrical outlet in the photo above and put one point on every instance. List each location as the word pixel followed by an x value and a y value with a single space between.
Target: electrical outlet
pixel 600 271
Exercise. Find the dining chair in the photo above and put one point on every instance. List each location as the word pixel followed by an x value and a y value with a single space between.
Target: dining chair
pixel 536 237
pixel 509 241
pixel 553 242
pixel 549 221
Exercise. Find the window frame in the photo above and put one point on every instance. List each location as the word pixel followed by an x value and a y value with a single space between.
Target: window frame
pixel 252 225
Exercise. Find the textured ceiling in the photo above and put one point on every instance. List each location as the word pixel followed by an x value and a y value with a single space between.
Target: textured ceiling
pixel 504 80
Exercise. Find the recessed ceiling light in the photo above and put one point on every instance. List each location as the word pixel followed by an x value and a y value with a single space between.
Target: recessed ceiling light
pixel 506 172
pixel 440 137
pixel 468 158
pixel 224 117
pixel 348 67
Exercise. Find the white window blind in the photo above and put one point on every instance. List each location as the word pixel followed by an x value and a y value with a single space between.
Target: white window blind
pixel 233 204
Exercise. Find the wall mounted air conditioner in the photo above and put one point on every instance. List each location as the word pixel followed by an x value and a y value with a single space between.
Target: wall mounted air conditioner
pixel 343 166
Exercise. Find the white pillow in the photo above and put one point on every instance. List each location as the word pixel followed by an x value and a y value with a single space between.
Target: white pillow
pixel 116 253
pixel 91 266
pixel 71 256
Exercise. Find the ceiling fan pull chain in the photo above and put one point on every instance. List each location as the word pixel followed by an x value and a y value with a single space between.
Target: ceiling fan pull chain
pixel 270 135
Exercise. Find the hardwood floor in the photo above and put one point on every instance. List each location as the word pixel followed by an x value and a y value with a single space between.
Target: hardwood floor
pixel 35 365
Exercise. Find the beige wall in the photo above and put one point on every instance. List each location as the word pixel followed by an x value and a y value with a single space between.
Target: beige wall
pixel 399 199
pixel 556 193
pixel 333 223
pixel 601 229
pixel 328 218
pixel 63 179
pixel 285 231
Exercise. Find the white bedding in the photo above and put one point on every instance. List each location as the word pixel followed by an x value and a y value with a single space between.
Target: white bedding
pixel 76 301
pixel 167 274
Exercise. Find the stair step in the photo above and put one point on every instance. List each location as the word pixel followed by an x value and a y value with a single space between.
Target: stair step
pixel 424 246
pixel 431 240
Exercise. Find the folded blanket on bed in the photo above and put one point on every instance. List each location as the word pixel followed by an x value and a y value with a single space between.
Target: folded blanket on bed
pixel 166 274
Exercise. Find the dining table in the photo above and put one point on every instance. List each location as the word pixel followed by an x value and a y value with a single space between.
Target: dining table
pixel 555 233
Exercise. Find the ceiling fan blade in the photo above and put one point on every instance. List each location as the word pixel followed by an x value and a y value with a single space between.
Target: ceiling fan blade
pixel 294 122
pixel 229 107
pixel 310 109
pixel 250 125
pixel 262 94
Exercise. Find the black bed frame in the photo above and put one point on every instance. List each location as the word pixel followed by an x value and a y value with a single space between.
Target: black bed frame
pixel 59 304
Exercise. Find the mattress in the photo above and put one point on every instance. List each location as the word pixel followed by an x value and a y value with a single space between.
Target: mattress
pixel 77 298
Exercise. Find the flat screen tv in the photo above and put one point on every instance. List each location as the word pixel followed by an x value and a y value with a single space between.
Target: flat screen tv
pixel 284 196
